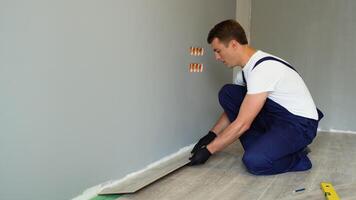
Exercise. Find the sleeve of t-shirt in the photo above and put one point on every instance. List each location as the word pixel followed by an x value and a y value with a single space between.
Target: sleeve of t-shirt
pixel 265 77
pixel 238 79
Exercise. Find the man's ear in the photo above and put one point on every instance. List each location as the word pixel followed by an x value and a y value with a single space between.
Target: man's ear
pixel 234 44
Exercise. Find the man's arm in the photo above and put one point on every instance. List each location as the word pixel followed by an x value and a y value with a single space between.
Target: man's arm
pixel 221 124
pixel 250 107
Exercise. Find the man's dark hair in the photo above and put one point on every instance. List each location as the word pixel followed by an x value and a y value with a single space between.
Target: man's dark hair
pixel 226 31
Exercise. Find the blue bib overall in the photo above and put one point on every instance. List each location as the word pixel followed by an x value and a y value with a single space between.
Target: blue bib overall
pixel 276 139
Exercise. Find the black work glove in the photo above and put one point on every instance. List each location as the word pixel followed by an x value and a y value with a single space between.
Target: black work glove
pixel 199 157
pixel 204 141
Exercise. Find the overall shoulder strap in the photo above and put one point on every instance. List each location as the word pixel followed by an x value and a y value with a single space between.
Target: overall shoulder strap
pixel 243 77
pixel 275 59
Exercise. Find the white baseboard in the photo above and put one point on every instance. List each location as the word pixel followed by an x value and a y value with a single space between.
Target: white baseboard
pixel 336 131
pixel 166 161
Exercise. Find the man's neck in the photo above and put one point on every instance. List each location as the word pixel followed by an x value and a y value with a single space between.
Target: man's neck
pixel 246 55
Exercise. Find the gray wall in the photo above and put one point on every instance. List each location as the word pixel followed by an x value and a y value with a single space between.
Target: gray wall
pixel 94 90
pixel 318 38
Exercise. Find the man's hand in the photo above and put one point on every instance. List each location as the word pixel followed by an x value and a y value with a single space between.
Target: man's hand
pixel 250 107
pixel 199 157
pixel 204 141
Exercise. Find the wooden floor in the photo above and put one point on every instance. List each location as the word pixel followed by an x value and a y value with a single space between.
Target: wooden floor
pixel 224 176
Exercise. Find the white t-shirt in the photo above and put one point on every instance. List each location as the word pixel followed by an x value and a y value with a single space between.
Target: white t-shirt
pixel 283 84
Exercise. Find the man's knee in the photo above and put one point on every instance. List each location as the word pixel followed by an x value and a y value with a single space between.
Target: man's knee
pixel 230 92
pixel 256 163
pixel 224 91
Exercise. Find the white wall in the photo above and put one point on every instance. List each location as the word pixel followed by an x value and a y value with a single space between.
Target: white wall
pixel 93 90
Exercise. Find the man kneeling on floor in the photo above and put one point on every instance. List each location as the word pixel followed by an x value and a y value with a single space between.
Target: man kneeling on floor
pixel 269 108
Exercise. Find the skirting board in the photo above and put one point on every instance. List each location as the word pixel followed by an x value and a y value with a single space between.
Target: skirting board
pixel 336 131
pixel 137 180
pixel 147 176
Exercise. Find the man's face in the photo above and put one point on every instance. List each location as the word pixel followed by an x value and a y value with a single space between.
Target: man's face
pixel 224 53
